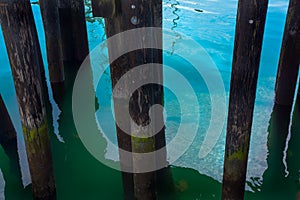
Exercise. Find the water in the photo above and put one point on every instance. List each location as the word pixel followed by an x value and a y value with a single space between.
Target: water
pixel 2 184
pixel 273 167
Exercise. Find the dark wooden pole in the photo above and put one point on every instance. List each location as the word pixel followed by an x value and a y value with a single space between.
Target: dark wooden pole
pixel 288 66
pixel 247 50
pixel 118 68
pixel 73 30
pixel 121 17
pixel 147 14
pixel 65 20
pixel 20 38
pixel 79 29
pixel 49 10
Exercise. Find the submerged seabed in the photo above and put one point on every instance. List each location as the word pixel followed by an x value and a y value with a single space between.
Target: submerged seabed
pixel 273 170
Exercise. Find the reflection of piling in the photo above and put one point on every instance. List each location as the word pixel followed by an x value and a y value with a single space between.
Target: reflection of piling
pixel 21 42
pixel 278 132
pixel 7 130
pixel 293 164
pixel 247 50
pixel 289 57
pixel 8 140
pixel 73 30
pixel 50 16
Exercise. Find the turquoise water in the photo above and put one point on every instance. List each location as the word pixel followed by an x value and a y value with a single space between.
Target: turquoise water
pixel 78 173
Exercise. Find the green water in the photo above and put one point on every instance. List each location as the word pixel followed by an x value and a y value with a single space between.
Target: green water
pixel 274 163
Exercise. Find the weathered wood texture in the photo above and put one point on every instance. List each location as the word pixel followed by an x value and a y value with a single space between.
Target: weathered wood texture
pixel 147 14
pixel 49 10
pixel 288 66
pixel 73 30
pixel 143 98
pixel 104 8
pixel 117 69
pixel 247 50
pixel 21 41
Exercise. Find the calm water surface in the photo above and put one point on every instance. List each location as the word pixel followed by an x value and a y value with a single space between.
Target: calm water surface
pixel 273 167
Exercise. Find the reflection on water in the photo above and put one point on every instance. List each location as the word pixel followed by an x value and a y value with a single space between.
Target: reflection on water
pixel 2 185
pixel 283 135
pixel 78 174
pixel 293 153
pixel 175 23
pixel 176 16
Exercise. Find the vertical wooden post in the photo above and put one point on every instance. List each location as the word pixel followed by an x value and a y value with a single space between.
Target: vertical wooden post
pixel 146 96
pixel 73 30
pixel 164 176
pixel 288 66
pixel 65 20
pixel 117 69
pixel 49 10
pixel 125 16
pixel 20 38
pixel 247 50
pixel 79 29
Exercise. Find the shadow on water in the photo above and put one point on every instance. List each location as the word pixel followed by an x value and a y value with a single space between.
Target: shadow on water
pixel 78 174
pixel 9 164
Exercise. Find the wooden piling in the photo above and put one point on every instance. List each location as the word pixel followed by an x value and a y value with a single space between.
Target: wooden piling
pixel 104 8
pixel 73 30
pixel 288 67
pixel 147 14
pixel 117 69
pixel 65 20
pixel 129 15
pixel 247 50
pixel 50 15
pixel 21 42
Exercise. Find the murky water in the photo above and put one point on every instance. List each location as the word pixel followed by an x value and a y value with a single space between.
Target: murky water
pixel 273 167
